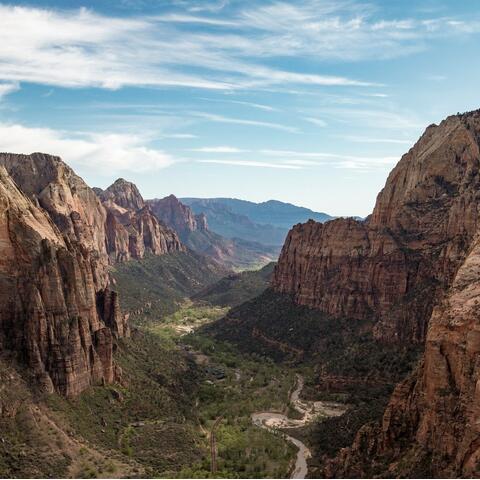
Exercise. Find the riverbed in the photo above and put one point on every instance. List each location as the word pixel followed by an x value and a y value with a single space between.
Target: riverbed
pixel 310 411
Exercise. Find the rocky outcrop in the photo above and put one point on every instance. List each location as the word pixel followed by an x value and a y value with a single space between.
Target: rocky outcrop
pixel 397 264
pixel 431 426
pixel 131 227
pixel 53 276
pixel 175 214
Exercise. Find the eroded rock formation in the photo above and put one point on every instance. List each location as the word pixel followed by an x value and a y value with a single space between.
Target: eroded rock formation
pixel 431 426
pixel 53 276
pixel 131 227
pixel 174 214
pixel 394 266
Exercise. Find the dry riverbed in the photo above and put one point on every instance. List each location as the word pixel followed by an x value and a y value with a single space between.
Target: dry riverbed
pixel 310 411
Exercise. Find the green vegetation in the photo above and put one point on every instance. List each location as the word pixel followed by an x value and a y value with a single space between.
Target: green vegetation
pixel 238 288
pixel 340 358
pixel 148 417
pixel 155 286
pixel 248 384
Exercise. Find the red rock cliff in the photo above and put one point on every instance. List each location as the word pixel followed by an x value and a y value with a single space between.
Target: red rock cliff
pixel 394 266
pixel 131 227
pixel 431 425
pixel 175 214
pixel 56 311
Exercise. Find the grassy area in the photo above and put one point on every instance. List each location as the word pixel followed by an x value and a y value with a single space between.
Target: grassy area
pixel 233 385
pixel 148 418
pixel 340 358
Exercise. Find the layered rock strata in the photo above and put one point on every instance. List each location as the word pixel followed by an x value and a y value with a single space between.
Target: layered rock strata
pixel 394 266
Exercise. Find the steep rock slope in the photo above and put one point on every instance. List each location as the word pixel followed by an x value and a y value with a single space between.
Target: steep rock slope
pixel 131 227
pixel 431 427
pixel 195 234
pixel 394 266
pixel 57 312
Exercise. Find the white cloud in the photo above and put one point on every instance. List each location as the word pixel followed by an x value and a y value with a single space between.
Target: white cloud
pixel 104 152
pixel 316 121
pixel 353 138
pixel 241 121
pixel 254 164
pixel 293 157
pixel 81 48
pixel 220 149
pixel 7 88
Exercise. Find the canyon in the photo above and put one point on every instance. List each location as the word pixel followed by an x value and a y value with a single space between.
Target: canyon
pixel 411 267
pixel 381 313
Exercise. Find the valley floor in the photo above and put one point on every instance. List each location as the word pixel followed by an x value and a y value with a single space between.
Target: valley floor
pixel 194 402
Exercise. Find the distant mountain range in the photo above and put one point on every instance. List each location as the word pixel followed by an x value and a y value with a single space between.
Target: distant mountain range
pixel 267 222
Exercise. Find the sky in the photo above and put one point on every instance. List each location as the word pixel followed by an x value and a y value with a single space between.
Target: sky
pixel 311 102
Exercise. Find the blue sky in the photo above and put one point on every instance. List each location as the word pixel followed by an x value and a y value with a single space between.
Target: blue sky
pixel 308 101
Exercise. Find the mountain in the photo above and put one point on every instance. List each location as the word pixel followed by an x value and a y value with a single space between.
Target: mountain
pixel 266 222
pixel 431 422
pixel 395 265
pixel 58 313
pixel 194 232
pixel 360 298
pixel 132 230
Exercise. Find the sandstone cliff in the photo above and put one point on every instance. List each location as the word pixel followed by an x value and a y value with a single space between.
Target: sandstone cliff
pixel 57 313
pixel 131 227
pixel 431 426
pixel 395 266
pixel 175 214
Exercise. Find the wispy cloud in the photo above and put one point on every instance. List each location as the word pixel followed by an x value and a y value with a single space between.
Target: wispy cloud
pixel 316 121
pixel 293 157
pixel 241 121
pixel 259 106
pixel 7 88
pixel 73 48
pixel 253 164
pixel 104 152
pixel 220 149
pixel 358 139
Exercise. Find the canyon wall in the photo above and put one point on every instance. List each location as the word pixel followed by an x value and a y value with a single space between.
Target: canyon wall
pixel 394 266
pixel 431 425
pixel 57 313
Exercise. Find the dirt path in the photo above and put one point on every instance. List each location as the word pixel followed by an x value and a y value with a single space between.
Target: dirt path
pixel 310 411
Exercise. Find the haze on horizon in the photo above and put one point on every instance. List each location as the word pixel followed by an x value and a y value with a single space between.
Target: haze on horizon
pixel 310 102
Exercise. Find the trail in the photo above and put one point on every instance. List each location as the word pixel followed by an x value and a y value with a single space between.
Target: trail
pixel 310 411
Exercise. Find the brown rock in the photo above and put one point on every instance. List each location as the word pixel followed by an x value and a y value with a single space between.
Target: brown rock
pixel 48 293
pixel 395 265
pixel 175 214
pixel 131 227
pixel 433 416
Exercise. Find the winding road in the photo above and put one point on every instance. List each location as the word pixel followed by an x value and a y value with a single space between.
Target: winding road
pixel 310 411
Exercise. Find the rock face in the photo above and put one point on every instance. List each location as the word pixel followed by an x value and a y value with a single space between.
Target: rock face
pixel 131 227
pixel 397 264
pixel 57 312
pixel 175 214
pixel 431 426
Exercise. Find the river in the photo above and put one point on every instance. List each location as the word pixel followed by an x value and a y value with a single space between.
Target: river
pixel 309 411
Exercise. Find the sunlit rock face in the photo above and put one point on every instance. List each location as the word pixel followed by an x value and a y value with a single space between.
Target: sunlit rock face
pixel 397 264
pixel 131 227
pixel 53 275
